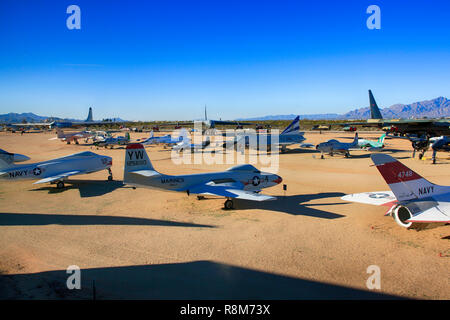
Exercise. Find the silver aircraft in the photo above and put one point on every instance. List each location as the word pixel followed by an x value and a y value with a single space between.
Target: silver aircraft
pixel 55 170
pixel 241 181
pixel 334 146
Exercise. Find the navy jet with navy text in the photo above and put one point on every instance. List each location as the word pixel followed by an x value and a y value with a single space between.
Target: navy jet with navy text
pixel 53 171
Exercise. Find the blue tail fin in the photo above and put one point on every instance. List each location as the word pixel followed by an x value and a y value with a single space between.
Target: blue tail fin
pixel 374 111
pixel 294 127
pixel 89 118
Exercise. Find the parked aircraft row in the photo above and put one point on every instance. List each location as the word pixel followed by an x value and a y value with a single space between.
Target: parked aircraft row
pixel 412 200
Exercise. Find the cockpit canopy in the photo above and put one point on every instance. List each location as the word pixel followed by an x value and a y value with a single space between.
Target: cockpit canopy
pixel 244 167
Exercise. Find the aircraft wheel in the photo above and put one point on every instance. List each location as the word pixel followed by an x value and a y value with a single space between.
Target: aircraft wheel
pixel 229 204
pixel 110 178
pixel 347 155
pixel 434 160
pixel 60 185
pixel 420 156
pixel 76 142
pixel 200 197
pixel 321 156
pixel 68 142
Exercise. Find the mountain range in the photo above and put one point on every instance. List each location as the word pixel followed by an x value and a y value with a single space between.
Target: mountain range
pixel 435 108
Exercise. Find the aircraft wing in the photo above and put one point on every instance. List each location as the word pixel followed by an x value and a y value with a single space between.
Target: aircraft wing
pixel 58 176
pixel 432 214
pixel 233 190
pixel 378 198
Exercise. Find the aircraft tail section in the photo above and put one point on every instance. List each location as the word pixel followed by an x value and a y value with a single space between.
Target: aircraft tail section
pixel 404 182
pixel 89 118
pixel 137 163
pixel 381 139
pixel 294 127
pixel 59 133
pixel 355 140
pixel 374 110
pixel 6 159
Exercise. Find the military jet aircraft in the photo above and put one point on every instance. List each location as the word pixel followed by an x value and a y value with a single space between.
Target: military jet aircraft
pixel 289 136
pixel 55 170
pixel 371 145
pixel 73 136
pixel 166 140
pixel 186 144
pixel 113 141
pixel 413 200
pixel 334 146
pixel 440 144
pixel 241 181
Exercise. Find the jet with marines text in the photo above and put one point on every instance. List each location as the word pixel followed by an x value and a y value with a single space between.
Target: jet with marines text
pixel 240 182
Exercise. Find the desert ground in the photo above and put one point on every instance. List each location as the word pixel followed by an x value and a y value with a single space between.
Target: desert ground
pixel 153 244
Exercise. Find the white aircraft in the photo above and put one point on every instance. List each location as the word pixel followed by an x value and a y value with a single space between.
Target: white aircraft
pixel 334 146
pixel 413 199
pixel 241 182
pixel 55 170
pixel 167 139
pixel 113 141
pixel 186 144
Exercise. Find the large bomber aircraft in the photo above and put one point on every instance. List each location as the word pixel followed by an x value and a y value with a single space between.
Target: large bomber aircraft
pixel 241 182
pixel 334 146
pixel 88 122
pixel 414 201
pixel 55 170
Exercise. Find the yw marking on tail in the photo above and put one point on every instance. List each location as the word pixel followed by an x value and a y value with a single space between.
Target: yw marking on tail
pixel 138 154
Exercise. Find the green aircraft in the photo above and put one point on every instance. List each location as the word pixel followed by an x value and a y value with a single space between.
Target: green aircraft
pixel 364 143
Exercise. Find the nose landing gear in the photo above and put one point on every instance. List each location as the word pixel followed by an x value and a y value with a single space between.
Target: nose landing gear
pixel 229 204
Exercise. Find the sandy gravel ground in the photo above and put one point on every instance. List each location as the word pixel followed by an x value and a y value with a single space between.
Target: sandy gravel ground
pixel 153 244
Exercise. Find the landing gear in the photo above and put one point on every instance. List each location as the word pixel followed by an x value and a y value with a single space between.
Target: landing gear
pixel 200 197
pixel 347 155
pixel 60 184
pixel 321 156
pixel 76 142
pixel 229 204
pixel 110 177
pixel 68 142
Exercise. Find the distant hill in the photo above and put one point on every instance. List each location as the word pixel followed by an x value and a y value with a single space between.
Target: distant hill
pixel 435 108
pixel 31 117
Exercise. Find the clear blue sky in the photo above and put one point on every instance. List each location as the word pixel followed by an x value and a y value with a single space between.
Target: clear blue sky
pixel 157 60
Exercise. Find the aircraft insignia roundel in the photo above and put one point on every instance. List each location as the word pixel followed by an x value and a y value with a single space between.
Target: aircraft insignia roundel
pixel 255 180
pixel 37 171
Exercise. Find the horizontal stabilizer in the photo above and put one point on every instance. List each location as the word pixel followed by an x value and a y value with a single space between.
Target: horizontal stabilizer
pixel 145 173
pixel 378 198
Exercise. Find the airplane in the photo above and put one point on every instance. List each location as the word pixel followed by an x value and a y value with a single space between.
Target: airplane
pixel 241 181
pixel 55 170
pixel 186 144
pixel 414 201
pixel 113 141
pixel 440 144
pixel 369 144
pixel 73 136
pixel 167 139
pixel 334 146
pixel 290 135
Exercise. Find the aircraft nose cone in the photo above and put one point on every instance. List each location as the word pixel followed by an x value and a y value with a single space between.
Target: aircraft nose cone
pixel 278 180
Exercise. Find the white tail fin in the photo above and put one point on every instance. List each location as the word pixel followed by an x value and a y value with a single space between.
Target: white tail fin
pixel 59 133
pixel 404 182
pixel 136 160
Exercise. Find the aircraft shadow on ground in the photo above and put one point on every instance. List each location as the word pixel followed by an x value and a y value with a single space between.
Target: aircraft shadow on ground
pixel 37 219
pixel 87 188
pixel 190 280
pixel 294 205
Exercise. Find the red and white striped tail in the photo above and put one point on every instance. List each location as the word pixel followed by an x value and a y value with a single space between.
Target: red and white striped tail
pixel 404 182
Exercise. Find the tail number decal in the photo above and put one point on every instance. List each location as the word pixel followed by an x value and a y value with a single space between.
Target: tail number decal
pixel 404 174
pixel 138 155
